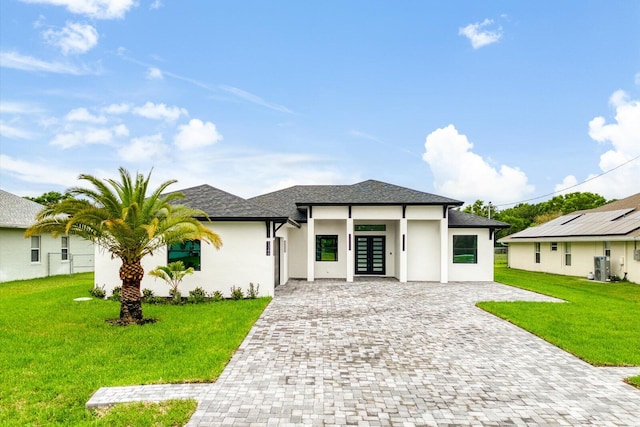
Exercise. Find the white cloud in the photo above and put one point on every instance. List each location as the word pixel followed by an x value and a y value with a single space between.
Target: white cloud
pixel 154 73
pixel 90 136
pixel 38 172
pixel 480 37
pixel 97 9
pixel 28 63
pixel 117 108
pixel 74 38
pixel 12 132
pixel 460 173
pixel 623 138
pixel 196 134
pixel 9 107
pixel 83 115
pixel 144 148
pixel 160 112
pixel 156 4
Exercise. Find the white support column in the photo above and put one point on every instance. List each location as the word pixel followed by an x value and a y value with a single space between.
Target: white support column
pixel 350 256
pixel 444 250
pixel 311 249
pixel 403 250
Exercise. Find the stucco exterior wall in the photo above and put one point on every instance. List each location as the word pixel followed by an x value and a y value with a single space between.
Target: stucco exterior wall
pixel 522 256
pixel 481 271
pixel 15 256
pixel 241 260
pixel 423 250
pixel 297 252
pixel 332 269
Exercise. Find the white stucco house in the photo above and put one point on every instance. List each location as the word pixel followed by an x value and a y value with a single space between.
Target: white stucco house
pixel 316 232
pixel 603 242
pixel 37 256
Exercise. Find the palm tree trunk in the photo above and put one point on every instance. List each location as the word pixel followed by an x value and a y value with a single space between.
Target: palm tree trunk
pixel 131 274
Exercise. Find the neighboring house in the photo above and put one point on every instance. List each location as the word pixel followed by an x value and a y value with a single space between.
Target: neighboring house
pixel 603 242
pixel 37 256
pixel 325 231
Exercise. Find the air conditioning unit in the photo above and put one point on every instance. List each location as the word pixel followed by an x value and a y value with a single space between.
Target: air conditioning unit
pixel 636 255
pixel 601 268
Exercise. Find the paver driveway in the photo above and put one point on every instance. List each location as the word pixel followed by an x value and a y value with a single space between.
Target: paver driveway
pixel 381 353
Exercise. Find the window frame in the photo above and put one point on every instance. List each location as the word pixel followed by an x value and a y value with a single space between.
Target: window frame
pixel 536 249
pixel 64 248
pixel 184 247
pixel 36 250
pixel 554 246
pixel 567 254
pixel 322 249
pixel 473 248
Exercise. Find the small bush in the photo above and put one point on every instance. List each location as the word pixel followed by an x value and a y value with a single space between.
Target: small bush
pixel 115 293
pixel 197 296
pixel 149 297
pixel 176 296
pixel 217 296
pixel 253 291
pixel 98 292
pixel 236 293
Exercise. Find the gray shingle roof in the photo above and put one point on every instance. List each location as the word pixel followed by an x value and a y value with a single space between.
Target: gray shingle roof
pixel 369 192
pixel 17 212
pixel 220 205
pixel 458 219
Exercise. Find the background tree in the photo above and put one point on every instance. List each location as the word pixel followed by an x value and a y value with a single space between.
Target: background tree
pixel 123 218
pixel 525 215
pixel 50 198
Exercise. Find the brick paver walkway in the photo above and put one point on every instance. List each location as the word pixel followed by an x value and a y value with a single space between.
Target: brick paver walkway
pixel 383 353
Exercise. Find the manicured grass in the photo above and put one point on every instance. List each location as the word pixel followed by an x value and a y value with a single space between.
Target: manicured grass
pixel 56 352
pixel 599 322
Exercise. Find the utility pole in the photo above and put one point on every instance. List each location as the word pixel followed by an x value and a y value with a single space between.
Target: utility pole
pixel 489 210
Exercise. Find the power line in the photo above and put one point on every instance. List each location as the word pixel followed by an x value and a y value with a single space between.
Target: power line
pixel 572 186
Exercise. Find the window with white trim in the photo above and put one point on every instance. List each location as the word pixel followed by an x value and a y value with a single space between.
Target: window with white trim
pixel 537 252
pixel 64 248
pixel 35 248
pixel 567 253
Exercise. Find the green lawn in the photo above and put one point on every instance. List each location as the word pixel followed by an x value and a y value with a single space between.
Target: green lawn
pixel 56 352
pixel 599 323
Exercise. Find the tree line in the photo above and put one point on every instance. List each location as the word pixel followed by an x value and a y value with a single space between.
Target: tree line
pixel 525 215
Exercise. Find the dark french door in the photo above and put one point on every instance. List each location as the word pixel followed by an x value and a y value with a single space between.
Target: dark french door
pixel 370 255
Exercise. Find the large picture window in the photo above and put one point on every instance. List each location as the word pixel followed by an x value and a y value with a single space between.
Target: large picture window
pixel 327 248
pixel 465 249
pixel 188 252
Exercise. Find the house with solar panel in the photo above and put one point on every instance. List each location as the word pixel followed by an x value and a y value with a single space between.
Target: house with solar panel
pixel 601 243
pixel 315 232
pixel 38 256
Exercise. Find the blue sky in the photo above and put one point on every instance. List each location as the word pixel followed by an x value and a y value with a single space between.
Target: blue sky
pixel 500 101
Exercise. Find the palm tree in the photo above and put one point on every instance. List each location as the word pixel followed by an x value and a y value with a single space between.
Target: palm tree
pixel 121 217
pixel 172 274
